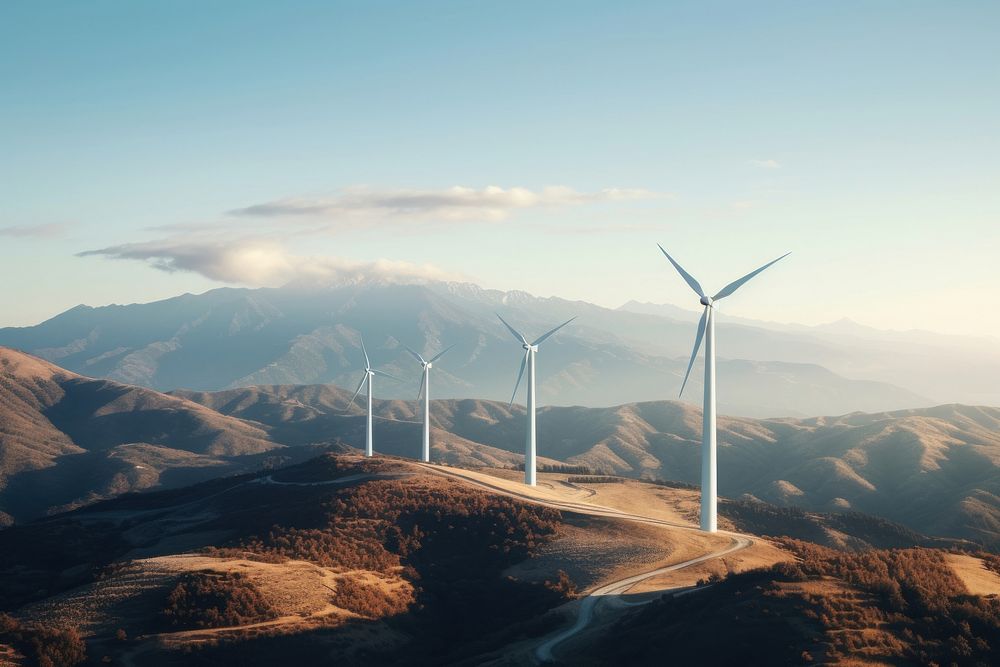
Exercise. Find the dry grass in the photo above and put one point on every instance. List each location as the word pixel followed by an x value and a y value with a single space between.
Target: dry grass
pixel 597 550
pixel 974 574
pixel 300 592
pixel 761 554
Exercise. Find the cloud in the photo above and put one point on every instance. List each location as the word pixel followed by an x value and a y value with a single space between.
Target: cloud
pixel 766 164
pixel 34 231
pixel 258 262
pixel 451 204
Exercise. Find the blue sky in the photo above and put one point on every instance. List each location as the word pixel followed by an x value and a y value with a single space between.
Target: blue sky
pixel 254 143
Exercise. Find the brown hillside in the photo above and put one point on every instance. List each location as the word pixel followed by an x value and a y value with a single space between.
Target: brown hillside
pixel 376 554
pixel 877 607
pixel 936 470
pixel 65 438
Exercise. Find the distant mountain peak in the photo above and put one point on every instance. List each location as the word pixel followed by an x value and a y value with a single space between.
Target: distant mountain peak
pixel 355 279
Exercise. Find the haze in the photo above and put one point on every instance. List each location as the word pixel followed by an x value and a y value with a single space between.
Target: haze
pixel 518 146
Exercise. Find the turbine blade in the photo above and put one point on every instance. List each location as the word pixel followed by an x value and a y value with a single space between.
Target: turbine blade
pixel 520 375
pixel 388 375
pixel 368 364
pixel 440 354
pixel 688 278
pixel 546 335
pixel 735 285
pixel 517 334
pixel 697 344
pixel 423 381
pixel 415 355
pixel 360 385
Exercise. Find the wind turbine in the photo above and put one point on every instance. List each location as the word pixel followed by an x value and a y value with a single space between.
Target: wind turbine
pixel 529 360
pixel 369 374
pixel 706 330
pixel 425 389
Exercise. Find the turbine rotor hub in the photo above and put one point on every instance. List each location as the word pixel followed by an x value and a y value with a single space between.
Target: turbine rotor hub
pixel 428 365
pixel 706 301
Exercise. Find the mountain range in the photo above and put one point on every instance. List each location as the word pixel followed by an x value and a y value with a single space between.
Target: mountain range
pixel 67 440
pixel 229 338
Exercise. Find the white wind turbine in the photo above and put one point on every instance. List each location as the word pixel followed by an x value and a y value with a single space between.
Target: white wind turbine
pixel 706 330
pixel 425 389
pixel 529 359
pixel 369 374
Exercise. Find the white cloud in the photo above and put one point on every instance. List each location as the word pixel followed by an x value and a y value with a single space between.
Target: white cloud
pixel 452 204
pixel 766 164
pixel 259 262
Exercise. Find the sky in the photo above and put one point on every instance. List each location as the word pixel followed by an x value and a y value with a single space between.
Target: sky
pixel 152 149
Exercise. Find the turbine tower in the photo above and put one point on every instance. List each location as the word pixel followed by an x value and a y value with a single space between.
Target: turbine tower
pixel 706 330
pixel 369 374
pixel 425 389
pixel 529 360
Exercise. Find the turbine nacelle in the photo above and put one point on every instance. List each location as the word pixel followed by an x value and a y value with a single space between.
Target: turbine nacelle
pixel 531 348
pixel 706 301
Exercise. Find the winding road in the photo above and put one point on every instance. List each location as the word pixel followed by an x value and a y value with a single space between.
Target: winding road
pixel 543 653
pixel 585 613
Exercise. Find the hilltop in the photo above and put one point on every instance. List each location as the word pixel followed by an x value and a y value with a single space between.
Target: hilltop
pixel 341 556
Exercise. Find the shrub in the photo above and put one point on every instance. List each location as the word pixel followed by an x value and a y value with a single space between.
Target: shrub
pixel 595 479
pixel 214 600
pixel 562 585
pixel 45 645
pixel 368 601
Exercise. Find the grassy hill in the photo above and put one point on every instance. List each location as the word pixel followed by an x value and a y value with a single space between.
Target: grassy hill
pixel 66 439
pixel 383 561
pixel 337 558
pixel 932 469
pixel 906 606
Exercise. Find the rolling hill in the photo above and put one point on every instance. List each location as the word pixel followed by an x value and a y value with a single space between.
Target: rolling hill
pixel 878 607
pixel 936 469
pixel 66 440
pixel 229 338
pixel 385 561
pixel 341 557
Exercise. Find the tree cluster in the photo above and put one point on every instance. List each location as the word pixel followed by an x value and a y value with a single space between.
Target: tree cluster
pixel 43 645
pixel 215 600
